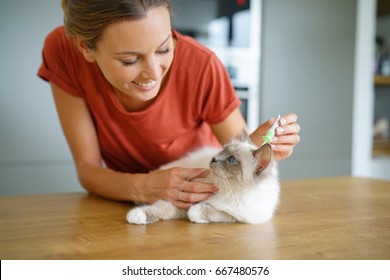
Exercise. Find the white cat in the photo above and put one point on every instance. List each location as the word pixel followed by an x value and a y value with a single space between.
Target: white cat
pixel 245 175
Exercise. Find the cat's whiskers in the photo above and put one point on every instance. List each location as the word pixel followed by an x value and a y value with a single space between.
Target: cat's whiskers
pixel 180 187
pixel 228 185
pixel 231 186
pixel 219 172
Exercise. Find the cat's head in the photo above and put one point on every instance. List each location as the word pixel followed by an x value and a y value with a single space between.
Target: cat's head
pixel 242 163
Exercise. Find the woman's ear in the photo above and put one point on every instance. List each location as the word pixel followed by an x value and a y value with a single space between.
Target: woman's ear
pixel 87 53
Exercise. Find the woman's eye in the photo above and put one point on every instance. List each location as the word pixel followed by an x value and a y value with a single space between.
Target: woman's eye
pixel 130 62
pixel 232 160
pixel 162 52
pixel 127 63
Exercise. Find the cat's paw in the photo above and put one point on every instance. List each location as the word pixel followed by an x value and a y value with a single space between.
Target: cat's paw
pixel 197 214
pixel 138 216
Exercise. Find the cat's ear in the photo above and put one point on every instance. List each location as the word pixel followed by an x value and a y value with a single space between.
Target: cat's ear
pixel 245 137
pixel 264 157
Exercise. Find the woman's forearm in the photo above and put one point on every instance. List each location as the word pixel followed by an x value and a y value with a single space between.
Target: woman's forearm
pixel 110 184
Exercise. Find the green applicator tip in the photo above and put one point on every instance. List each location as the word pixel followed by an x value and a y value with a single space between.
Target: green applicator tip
pixel 270 134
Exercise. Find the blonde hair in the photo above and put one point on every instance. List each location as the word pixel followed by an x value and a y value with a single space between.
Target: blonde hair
pixel 87 19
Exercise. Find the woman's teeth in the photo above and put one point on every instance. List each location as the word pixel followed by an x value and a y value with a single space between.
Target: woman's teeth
pixel 146 85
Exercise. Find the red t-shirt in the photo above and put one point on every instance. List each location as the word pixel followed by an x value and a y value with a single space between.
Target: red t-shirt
pixel 198 92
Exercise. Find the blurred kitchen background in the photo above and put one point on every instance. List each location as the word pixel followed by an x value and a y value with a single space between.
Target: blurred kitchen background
pixel 327 61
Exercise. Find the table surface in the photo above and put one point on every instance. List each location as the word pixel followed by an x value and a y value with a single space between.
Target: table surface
pixel 331 218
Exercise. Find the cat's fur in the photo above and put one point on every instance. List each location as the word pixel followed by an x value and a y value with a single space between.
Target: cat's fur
pixel 246 177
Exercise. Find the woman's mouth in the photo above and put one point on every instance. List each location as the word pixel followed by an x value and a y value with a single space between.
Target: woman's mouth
pixel 146 86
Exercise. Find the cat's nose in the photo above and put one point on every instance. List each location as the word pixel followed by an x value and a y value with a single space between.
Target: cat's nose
pixel 213 160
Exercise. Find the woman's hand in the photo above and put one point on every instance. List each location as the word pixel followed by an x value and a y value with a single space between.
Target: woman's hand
pixel 175 185
pixel 286 135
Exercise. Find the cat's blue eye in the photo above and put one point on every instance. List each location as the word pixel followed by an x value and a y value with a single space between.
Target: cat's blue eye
pixel 232 160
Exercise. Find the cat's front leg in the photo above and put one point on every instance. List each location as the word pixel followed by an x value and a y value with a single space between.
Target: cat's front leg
pixel 148 214
pixel 205 213
pixel 140 216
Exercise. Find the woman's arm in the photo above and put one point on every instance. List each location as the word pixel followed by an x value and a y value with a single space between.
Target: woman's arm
pixel 81 136
pixel 286 136
pixel 229 128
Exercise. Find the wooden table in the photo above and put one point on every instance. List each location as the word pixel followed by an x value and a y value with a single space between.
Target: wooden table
pixel 333 218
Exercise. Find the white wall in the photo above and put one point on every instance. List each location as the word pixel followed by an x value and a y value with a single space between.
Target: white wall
pixel 34 156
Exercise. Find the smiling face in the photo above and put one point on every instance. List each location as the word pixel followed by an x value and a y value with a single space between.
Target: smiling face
pixel 135 56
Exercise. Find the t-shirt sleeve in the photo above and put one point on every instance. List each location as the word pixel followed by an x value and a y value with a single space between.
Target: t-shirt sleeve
pixel 57 62
pixel 220 99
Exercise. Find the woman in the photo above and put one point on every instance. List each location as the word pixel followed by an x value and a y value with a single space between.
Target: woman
pixel 133 94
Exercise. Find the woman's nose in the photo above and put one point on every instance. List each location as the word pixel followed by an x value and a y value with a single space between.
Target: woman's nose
pixel 152 69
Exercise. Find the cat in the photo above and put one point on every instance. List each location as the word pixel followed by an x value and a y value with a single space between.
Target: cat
pixel 247 182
